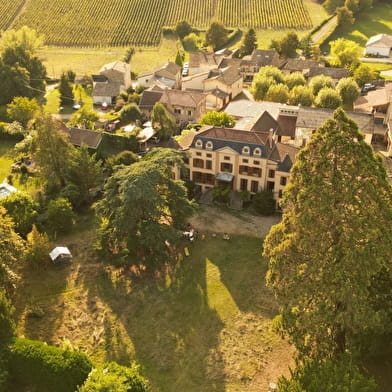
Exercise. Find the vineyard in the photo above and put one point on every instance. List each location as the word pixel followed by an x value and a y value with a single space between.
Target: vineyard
pixel 140 22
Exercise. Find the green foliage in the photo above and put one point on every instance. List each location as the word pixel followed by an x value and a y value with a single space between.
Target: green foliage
pixel 264 79
pixel 65 89
pixel 130 113
pixel 328 98
pixel 319 82
pixel 352 5
pixel 294 79
pixel 332 375
pixel 22 110
pixel 277 93
pixel 129 54
pixel 306 45
pixel 249 43
pixel 179 59
pixel 126 230
pixel 37 252
pixel 191 42
pixel 60 217
pixel 84 118
pixel 332 5
pixel 345 17
pixel 345 53
pixel 183 29
pixel 264 203
pixel 336 207
pixel 216 35
pixel 7 325
pixel 124 158
pixel 162 122
pixel 46 368
pixel 349 91
pixel 25 38
pixel 22 209
pixel 221 193
pixel 115 378
pixel 219 119
pixel 288 45
pixel 363 74
pixel 113 144
pixel 301 95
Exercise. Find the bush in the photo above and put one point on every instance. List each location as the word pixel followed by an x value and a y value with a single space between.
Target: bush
pixel 221 193
pixel 264 203
pixel 60 216
pixel 46 368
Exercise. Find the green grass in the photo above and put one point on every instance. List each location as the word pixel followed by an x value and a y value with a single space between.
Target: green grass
pixel 203 325
pixel 375 21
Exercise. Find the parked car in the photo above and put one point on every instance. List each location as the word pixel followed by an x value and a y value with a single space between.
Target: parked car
pixel 185 69
pixel 368 87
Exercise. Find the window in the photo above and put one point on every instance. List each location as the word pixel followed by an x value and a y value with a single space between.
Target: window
pixel 257 151
pixel 256 162
pixel 209 165
pixel 226 167
pixel 243 184
pixel 245 160
pixel 243 169
pixel 177 111
pixel 209 145
pixel 198 154
pixel 254 186
pixel 199 143
pixel 280 194
pixel 270 185
pixel 189 113
pixel 246 150
pixel 226 158
pixel 271 173
pixel 198 163
pixel 283 181
pixel 209 155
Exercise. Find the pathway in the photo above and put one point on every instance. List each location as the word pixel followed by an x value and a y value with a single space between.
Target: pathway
pixel 324 29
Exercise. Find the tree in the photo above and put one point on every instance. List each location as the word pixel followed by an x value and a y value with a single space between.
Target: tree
pixel 219 119
pixel 65 89
pixel 52 151
pixel 7 325
pixel 84 118
pixel 12 249
pixel 294 79
pixel 345 16
pixel 22 209
pixel 23 110
pixel 277 93
pixel 162 122
pixel 331 5
pixel 269 71
pixel 14 81
pixel 352 5
pixel 130 113
pixel 129 54
pixel 328 98
pixel 60 217
pixel 306 45
pixel 25 38
pixel 116 378
pixel 335 209
pixel 142 232
pixel 191 42
pixel 289 44
pixel 179 59
pixel 345 53
pixel 37 249
pixel 349 91
pixel 249 43
pixel 365 4
pixel 263 80
pixel 183 29
pixel 363 74
pixel 301 95
pixel 331 375
pixel 264 203
pixel 319 82
pixel 124 158
pixel 216 35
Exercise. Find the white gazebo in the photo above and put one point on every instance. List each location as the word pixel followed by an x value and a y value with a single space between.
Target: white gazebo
pixel 60 254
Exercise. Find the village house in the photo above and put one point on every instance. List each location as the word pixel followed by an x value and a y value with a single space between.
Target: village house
pixel 148 99
pixel 250 65
pixel 167 75
pixel 243 160
pixel 379 45
pixel 300 65
pixel 335 73
pixel 112 79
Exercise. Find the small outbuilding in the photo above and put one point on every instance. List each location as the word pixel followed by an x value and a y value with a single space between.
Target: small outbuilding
pixel 60 254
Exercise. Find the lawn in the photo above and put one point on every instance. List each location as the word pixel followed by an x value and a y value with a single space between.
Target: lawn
pixel 375 21
pixel 202 325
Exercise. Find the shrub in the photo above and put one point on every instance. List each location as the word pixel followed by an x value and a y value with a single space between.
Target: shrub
pixel 60 215
pixel 264 203
pixel 46 368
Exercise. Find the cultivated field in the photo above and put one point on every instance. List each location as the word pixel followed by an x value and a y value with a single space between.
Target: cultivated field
pixel 140 22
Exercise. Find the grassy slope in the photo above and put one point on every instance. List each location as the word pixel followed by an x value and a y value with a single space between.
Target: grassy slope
pixel 204 326
pixel 377 20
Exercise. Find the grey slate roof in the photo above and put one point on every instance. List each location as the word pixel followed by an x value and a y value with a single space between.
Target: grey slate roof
pixel 106 89
pixel 79 136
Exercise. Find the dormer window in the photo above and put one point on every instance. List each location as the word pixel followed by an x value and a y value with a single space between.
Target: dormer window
pixel 257 151
pixel 199 143
pixel 209 145
pixel 245 150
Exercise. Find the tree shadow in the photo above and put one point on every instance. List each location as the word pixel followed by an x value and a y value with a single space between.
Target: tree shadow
pixel 174 332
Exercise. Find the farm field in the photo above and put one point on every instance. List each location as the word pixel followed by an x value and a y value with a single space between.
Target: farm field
pixel 137 22
pixel 204 324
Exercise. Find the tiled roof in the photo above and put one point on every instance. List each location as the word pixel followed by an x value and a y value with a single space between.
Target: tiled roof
pixel 218 93
pixel 333 72
pixel 203 57
pixel 149 98
pixel 300 65
pixel 181 98
pixel 261 58
pixel 285 155
pixel 99 78
pixel 106 89
pixel 78 136
pixel 374 99
pixel 245 108
pixel 119 66
pixel 287 125
pixel 383 40
pixel 265 123
pixel 227 76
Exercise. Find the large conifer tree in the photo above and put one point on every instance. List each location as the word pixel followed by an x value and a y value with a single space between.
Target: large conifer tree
pixel 334 240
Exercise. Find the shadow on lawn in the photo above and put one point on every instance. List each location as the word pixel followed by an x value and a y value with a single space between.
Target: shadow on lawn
pixel 174 332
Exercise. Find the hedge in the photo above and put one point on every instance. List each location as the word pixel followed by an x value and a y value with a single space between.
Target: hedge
pixel 46 368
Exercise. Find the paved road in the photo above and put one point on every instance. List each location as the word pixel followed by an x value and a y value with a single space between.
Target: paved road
pixel 320 33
